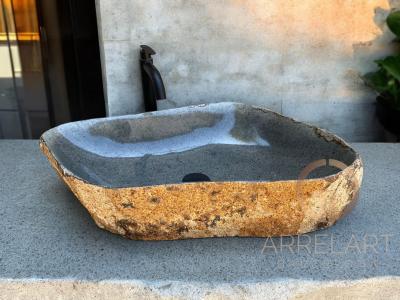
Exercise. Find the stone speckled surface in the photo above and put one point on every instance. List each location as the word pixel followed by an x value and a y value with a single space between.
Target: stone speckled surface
pixel 47 235
pixel 127 171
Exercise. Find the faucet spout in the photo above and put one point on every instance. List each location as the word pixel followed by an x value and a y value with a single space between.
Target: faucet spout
pixel 152 83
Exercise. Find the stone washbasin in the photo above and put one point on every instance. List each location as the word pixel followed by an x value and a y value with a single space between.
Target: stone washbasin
pixel 224 169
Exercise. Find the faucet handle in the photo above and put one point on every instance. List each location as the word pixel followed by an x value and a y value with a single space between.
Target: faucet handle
pixel 146 52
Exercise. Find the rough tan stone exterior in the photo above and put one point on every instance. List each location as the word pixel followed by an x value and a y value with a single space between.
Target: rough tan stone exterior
pixel 218 209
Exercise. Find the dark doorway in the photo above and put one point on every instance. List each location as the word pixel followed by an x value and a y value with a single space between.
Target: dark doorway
pixel 50 70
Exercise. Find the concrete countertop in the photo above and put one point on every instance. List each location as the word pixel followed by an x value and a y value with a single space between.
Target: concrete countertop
pixel 48 239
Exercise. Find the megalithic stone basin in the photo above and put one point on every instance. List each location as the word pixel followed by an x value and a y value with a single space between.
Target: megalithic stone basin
pixel 224 169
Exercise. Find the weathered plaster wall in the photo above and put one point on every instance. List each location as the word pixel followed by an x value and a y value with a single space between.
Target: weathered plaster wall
pixel 300 58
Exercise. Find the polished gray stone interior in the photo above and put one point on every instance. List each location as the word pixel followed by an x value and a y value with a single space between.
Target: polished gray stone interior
pixel 224 141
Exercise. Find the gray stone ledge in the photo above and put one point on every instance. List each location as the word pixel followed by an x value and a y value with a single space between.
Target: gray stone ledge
pixel 49 244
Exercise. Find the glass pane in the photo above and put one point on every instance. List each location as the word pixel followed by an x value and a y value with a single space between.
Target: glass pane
pixel 23 87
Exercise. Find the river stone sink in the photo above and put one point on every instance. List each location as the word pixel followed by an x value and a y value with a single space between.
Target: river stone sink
pixel 214 170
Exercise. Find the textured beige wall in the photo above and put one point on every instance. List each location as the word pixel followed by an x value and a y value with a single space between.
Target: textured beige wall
pixel 300 58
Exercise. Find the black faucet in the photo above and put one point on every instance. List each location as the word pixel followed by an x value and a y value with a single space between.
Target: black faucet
pixel 153 86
